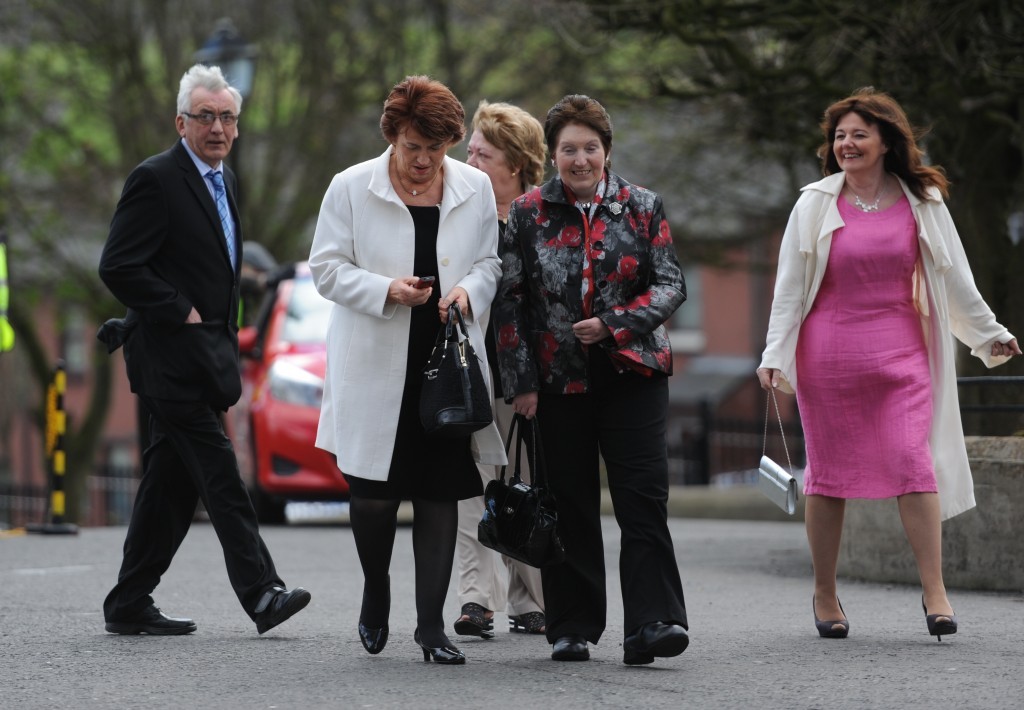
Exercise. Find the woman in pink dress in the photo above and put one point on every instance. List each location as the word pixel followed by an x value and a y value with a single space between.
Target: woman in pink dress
pixel 872 284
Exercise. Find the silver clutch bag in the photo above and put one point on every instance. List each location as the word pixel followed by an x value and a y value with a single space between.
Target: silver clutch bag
pixel 778 485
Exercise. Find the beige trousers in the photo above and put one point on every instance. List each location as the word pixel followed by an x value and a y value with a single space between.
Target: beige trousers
pixel 486 578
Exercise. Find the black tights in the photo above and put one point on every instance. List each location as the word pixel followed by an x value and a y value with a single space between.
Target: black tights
pixel 435 525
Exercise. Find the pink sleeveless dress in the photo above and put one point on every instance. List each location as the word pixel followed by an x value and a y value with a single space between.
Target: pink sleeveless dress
pixel 864 390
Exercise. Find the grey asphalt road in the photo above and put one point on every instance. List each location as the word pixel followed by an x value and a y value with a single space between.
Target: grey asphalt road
pixel 748 592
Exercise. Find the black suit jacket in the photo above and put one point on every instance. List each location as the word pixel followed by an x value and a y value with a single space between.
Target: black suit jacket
pixel 166 253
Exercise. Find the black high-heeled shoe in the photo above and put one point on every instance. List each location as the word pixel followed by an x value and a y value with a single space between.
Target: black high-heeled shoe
pixel 448 654
pixel 374 640
pixel 939 625
pixel 827 629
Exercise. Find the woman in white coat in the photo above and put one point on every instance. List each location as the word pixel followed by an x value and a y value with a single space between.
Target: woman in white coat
pixel 872 284
pixel 384 226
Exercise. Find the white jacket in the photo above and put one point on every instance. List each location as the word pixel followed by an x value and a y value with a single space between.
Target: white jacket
pixel 949 304
pixel 364 239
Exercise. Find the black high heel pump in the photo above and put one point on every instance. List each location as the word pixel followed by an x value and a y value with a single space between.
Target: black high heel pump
pixel 373 640
pixel 448 654
pixel 827 629
pixel 939 625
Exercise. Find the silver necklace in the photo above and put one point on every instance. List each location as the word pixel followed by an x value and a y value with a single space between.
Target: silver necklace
pixel 865 207
pixel 414 193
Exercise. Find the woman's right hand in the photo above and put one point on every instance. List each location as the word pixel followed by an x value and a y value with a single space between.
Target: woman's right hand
pixel 402 292
pixel 525 404
pixel 769 378
pixel 1008 349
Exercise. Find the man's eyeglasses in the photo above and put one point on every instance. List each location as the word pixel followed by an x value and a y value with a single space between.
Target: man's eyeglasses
pixel 207 119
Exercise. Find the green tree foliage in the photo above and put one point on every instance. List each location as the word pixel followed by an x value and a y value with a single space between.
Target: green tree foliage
pixel 89 90
pixel 956 67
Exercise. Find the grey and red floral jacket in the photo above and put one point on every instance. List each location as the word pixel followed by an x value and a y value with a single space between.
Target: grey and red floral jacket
pixel 549 252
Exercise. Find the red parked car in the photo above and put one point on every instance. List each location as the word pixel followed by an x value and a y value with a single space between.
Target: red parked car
pixel 273 426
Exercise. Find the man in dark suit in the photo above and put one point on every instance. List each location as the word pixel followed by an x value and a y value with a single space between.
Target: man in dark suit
pixel 173 258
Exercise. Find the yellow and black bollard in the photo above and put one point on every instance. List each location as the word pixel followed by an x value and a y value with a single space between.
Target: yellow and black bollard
pixel 56 423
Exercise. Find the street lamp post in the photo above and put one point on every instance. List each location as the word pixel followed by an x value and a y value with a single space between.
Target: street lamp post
pixel 227 49
pixel 236 58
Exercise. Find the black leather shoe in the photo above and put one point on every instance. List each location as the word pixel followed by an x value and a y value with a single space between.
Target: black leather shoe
pixel 152 621
pixel 654 640
pixel 373 640
pixel 278 605
pixel 570 648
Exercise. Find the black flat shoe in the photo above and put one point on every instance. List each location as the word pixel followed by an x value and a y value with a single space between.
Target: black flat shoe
pixel 476 622
pixel 446 655
pixel 152 621
pixel 278 605
pixel 827 629
pixel 939 625
pixel 570 648
pixel 654 640
pixel 374 640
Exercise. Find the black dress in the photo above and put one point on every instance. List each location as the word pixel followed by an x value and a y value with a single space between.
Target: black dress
pixel 431 468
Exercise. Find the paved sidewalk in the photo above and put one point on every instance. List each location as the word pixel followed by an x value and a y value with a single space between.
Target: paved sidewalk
pixel 748 594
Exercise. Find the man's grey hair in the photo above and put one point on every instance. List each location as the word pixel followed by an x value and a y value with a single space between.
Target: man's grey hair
pixel 204 77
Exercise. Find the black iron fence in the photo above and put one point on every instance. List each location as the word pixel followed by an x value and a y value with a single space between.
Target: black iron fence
pixel 22 505
pixel 1010 382
pixel 107 497
pixel 108 501
pixel 702 446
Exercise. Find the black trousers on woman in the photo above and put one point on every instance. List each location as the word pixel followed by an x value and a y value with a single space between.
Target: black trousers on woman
pixel 622 418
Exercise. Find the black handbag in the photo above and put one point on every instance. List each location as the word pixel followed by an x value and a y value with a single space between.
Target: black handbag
pixel 454 400
pixel 520 520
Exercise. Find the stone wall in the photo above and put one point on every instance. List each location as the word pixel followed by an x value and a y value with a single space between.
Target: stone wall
pixel 981 549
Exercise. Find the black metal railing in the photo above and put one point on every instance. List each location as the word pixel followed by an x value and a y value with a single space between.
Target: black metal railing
pixel 21 505
pixel 702 447
pixel 108 501
pixel 1010 381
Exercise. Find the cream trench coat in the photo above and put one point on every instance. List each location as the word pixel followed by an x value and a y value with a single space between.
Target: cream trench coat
pixel 364 239
pixel 949 304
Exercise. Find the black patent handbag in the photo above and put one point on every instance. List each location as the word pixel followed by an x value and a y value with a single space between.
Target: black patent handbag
pixel 454 400
pixel 520 520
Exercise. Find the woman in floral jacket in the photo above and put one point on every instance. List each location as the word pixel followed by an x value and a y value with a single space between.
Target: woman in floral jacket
pixel 589 278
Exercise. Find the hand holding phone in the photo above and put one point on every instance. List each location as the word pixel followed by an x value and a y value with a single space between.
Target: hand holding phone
pixel 424 282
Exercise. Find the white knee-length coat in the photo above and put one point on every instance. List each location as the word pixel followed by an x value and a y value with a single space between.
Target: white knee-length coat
pixel 947 300
pixel 364 239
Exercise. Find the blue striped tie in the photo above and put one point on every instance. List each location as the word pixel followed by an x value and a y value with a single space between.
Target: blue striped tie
pixel 221 198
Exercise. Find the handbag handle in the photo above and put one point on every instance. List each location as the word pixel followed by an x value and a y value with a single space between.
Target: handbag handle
pixel 764 442
pixel 455 316
pixel 448 334
pixel 535 461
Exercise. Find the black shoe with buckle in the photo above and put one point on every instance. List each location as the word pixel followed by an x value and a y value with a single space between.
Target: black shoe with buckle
pixel 652 640
pixel 152 621
pixel 277 605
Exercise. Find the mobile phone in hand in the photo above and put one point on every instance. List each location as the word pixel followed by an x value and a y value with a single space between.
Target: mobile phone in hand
pixel 424 282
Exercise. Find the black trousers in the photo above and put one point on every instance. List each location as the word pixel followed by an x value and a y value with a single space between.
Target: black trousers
pixel 189 458
pixel 622 418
